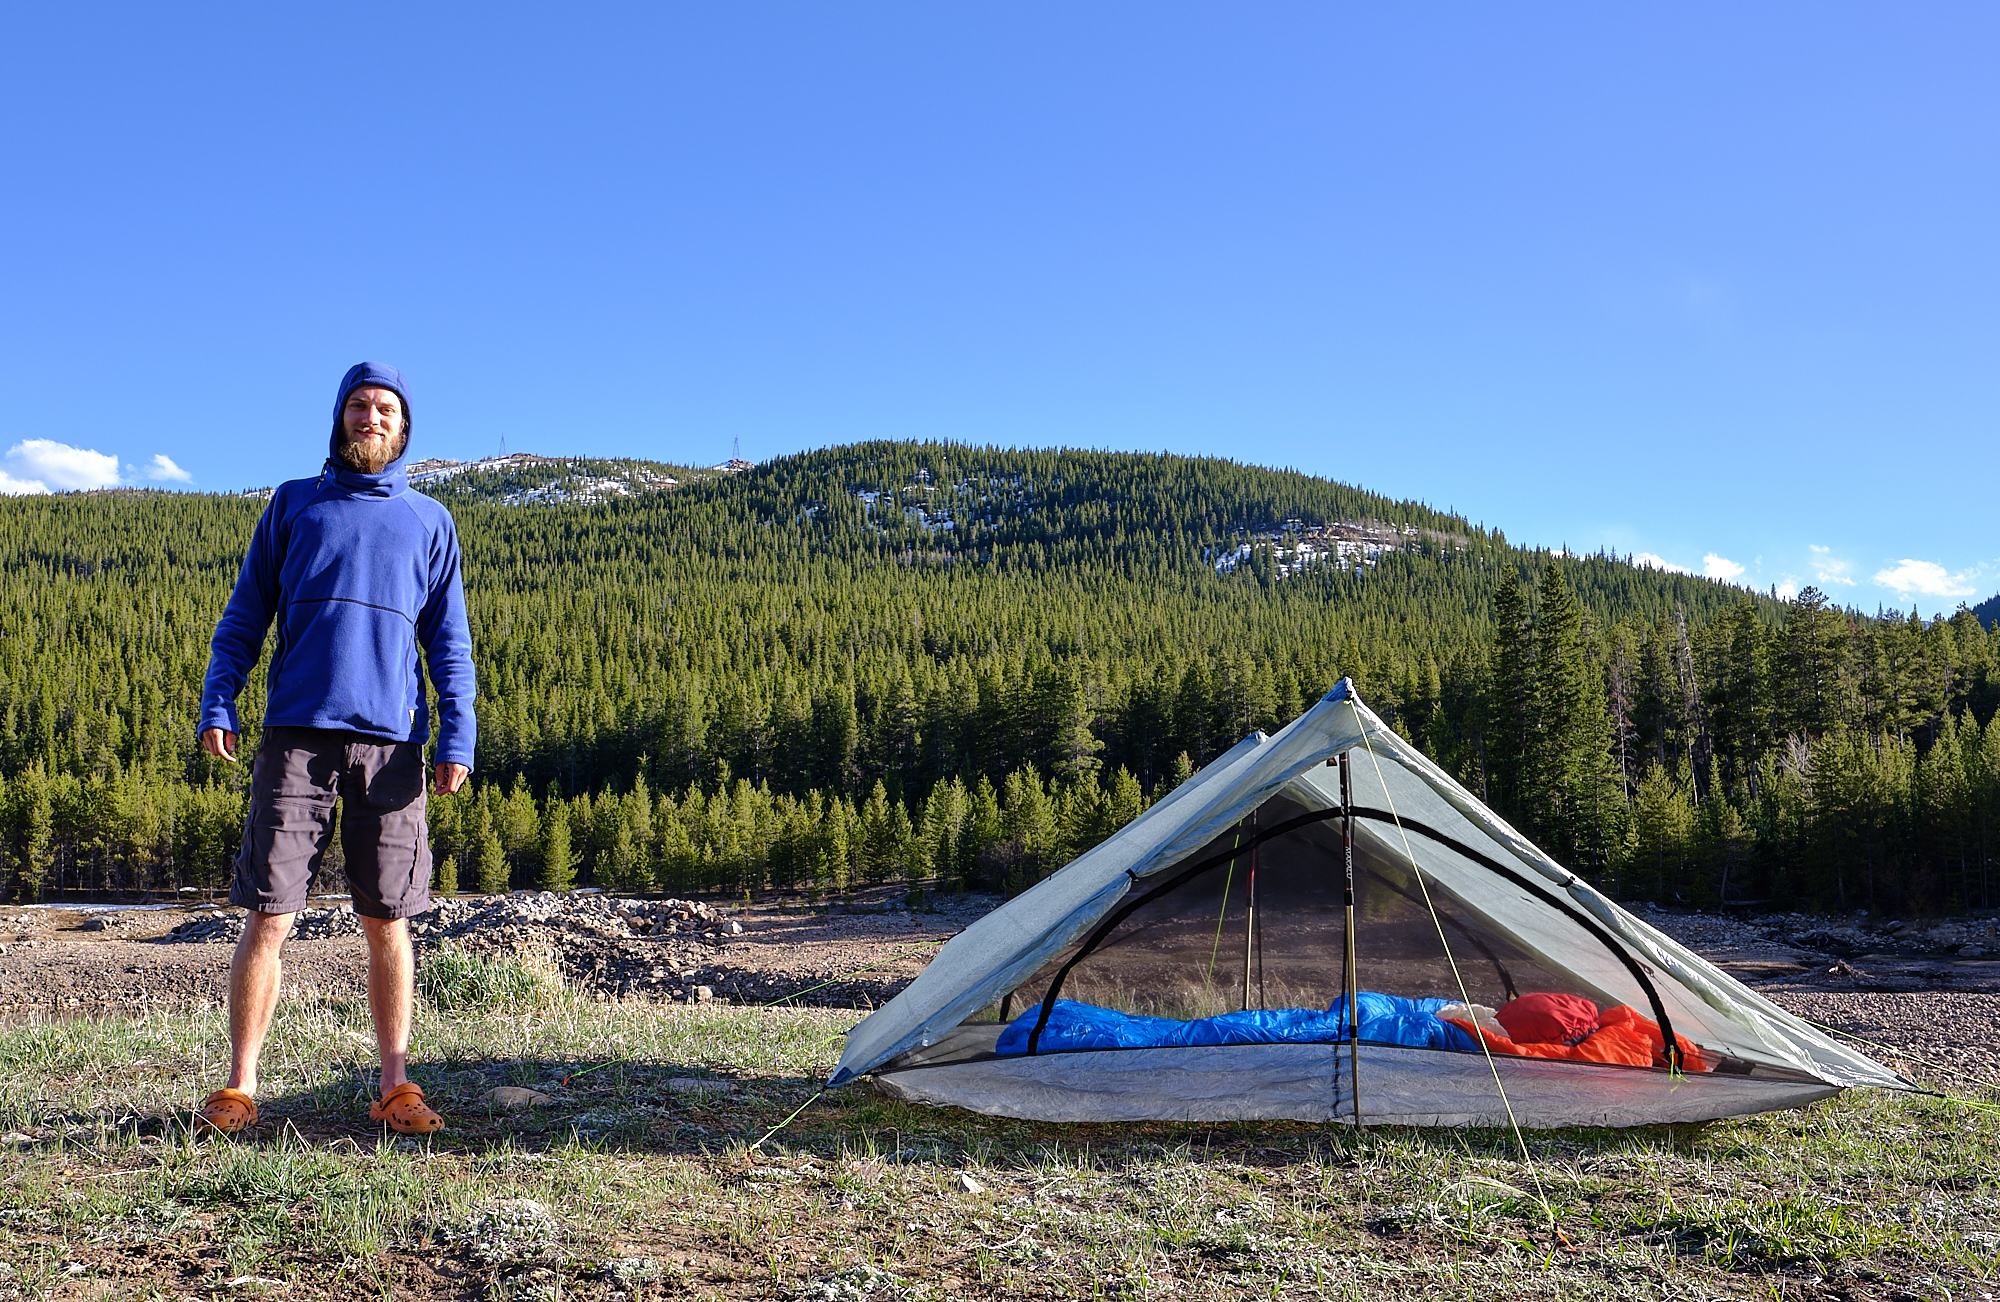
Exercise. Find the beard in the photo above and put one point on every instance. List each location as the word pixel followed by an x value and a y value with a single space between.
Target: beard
pixel 371 456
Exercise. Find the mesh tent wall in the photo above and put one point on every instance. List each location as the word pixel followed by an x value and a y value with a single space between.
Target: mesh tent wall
pixel 1514 919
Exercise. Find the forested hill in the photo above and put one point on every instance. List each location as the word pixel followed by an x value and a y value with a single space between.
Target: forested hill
pixel 1135 515
pixel 934 662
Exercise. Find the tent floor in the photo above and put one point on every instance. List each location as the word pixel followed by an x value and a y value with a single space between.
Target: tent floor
pixel 1312 1082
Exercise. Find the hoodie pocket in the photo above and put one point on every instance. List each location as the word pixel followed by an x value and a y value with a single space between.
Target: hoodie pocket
pixel 347 664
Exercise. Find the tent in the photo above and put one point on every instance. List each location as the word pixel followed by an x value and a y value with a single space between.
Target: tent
pixel 1317 927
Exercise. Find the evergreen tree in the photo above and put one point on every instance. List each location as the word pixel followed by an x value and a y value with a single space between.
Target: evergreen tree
pixel 492 864
pixel 557 863
pixel 1811 655
pixel 1570 794
pixel 1508 706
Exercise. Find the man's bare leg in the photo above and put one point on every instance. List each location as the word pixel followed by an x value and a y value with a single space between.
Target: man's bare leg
pixel 392 994
pixel 253 992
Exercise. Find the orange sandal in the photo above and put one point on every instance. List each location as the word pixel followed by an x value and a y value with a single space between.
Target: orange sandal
pixel 227 1111
pixel 405 1110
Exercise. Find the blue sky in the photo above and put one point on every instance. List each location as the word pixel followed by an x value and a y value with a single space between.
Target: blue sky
pixel 1717 284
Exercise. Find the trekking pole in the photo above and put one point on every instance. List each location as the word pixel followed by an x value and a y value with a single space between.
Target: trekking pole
pixel 1353 980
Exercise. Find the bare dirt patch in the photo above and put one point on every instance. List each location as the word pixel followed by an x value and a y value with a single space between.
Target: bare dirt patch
pixel 65 962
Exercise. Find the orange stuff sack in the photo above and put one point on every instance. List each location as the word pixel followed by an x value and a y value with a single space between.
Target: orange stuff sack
pixel 1548 1019
pixel 1622 1037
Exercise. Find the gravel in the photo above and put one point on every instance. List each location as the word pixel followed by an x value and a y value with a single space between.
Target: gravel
pixel 1943 1038
pixel 672 951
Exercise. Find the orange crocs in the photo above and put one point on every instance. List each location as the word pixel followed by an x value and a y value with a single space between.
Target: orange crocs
pixel 227 1111
pixel 405 1111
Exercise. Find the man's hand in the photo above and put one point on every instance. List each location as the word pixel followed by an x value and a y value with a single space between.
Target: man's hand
pixel 450 777
pixel 219 743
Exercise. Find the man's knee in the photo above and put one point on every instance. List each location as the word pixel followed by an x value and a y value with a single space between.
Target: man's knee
pixel 392 933
pixel 267 930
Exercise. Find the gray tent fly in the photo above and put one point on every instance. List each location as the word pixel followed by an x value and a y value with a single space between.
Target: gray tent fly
pixel 1198 966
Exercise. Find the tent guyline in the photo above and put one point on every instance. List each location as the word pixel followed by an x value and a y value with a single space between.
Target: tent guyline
pixel 1458 978
pixel 1101 992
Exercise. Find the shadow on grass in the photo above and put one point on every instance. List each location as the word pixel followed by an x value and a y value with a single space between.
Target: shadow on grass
pixel 644 1108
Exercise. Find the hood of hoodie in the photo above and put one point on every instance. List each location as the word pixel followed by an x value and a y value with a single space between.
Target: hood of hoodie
pixel 392 478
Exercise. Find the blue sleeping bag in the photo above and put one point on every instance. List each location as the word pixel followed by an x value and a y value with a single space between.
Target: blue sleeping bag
pixel 1385 1019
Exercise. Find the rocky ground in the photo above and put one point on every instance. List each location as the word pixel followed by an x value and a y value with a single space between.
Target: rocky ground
pixel 1926 991
pixel 68 962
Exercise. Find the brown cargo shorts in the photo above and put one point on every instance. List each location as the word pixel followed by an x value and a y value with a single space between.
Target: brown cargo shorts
pixel 296 776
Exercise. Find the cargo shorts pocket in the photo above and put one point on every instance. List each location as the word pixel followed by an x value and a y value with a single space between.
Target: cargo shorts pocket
pixel 287 828
pixel 386 834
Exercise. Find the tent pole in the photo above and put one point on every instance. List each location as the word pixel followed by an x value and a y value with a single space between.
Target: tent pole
pixel 1250 917
pixel 1262 1002
pixel 1353 981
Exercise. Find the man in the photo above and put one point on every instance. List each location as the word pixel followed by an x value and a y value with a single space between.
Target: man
pixel 358 572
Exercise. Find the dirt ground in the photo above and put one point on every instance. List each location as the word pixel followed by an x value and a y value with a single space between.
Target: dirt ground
pixel 68 962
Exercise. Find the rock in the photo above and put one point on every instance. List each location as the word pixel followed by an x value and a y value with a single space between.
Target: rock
pixel 969 1185
pixel 698 1085
pixel 704 994
pixel 516 1097
pixel 734 928
pixel 214 928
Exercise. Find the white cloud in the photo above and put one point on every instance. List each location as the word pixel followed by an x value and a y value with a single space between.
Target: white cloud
pixel 1827 569
pixel 46 466
pixel 1720 567
pixel 1926 579
pixel 58 466
pixel 163 468
pixel 1648 561
pixel 1787 589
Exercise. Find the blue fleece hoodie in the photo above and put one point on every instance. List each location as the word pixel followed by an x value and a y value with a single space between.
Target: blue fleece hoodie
pixel 358 572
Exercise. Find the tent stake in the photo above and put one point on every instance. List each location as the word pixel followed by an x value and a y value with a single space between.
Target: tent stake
pixel 1353 981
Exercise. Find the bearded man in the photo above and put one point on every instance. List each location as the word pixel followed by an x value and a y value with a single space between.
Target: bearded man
pixel 358 572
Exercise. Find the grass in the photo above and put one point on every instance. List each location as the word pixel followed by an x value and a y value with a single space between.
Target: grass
pixel 631 1186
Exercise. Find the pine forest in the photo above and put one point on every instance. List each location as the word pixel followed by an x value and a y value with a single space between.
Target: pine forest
pixel 939 667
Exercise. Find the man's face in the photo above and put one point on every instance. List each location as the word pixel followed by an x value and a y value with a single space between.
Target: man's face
pixel 372 429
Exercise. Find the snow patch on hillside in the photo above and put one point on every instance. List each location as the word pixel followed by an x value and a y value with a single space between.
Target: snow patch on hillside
pixel 1296 546
pixel 552 480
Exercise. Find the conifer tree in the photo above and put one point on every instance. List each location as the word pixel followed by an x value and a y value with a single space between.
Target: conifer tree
pixel 492 864
pixel 38 817
pixel 557 863
pixel 1810 662
pixel 1507 710
pixel 1569 794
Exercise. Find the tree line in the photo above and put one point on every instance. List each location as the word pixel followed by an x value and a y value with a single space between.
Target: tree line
pixel 939 665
